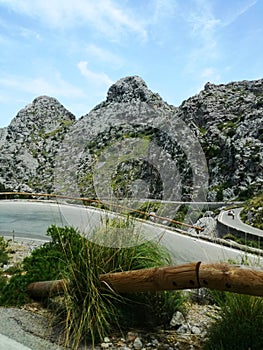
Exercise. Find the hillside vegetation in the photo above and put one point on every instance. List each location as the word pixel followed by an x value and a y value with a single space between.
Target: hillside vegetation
pixel 210 147
pixel 253 212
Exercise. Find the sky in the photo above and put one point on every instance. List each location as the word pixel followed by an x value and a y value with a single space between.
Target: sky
pixel 74 50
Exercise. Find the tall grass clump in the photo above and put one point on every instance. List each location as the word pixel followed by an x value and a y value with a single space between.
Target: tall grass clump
pixel 241 323
pixel 88 309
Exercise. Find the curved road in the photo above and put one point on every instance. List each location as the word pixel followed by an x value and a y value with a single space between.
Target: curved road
pixel 30 219
pixel 237 224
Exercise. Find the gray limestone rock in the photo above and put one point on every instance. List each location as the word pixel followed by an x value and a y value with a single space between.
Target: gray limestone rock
pixel 136 144
pixel 31 142
pixel 177 319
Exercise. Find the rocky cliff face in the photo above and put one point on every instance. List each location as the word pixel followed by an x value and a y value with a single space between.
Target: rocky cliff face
pixel 228 120
pixel 136 145
pixel 30 143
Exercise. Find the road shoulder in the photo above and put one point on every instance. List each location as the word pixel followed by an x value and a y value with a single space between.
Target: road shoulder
pixel 27 328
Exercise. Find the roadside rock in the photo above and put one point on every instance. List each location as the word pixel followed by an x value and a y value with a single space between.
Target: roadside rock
pixel 177 319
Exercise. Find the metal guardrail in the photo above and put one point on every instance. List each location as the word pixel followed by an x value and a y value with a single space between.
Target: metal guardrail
pixel 216 240
pixel 102 203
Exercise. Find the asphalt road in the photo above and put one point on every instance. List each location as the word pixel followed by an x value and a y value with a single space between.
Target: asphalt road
pixel 236 223
pixel 7 343
pixel 24 330
pixel 31 219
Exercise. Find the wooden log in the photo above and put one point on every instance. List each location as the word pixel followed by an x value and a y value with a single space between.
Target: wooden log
pixel 154 279
pixel 234 278
pixel 45 289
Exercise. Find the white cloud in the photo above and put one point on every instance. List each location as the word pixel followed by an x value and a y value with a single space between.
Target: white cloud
pixel 104 55
pixel 163 9
pixel 202 20
pixel 95 78
pixel 210 74
pixel 205 24
pixel 160 17
pixel 203 29
pixel 103 15
pixel 122 18
pixel 239 11
pixel 41 86
pixel 27 33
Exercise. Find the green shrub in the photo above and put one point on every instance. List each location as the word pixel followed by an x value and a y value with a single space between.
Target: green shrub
pixel 3 252
pixel 249 243
pixel 241 323
pixel 145 209
pixel 2 282
pixel 88 309
pixel 45 263
pixel 180 215
pixel 150 309
pixel 252 213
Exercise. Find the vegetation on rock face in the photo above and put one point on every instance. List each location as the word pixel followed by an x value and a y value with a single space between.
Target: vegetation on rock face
pixel 125 168
pixel 31 143
pixel 252 213
pixel 44 140
pixel 250 243
pixel 230 133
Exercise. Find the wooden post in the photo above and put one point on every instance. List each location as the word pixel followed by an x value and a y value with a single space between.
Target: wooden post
pixel 221 276
pixel 233 278
pixel 154 279
pixel 45 289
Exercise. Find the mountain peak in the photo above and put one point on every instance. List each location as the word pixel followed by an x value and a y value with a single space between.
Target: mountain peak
pixel 127 89
pixel 43 111
pixel 45 99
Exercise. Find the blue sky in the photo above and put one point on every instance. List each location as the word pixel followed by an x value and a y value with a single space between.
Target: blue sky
pixel 74 50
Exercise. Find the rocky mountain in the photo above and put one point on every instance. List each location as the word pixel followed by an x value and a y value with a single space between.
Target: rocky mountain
pixel 30 143
pixel 135 145
pixel 228 121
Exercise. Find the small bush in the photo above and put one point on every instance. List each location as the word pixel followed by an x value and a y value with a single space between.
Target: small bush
pixel 3 251
pixel 45 263
pixel 150 309
pixel 88 310
pixel 252 213
pixel 241 323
